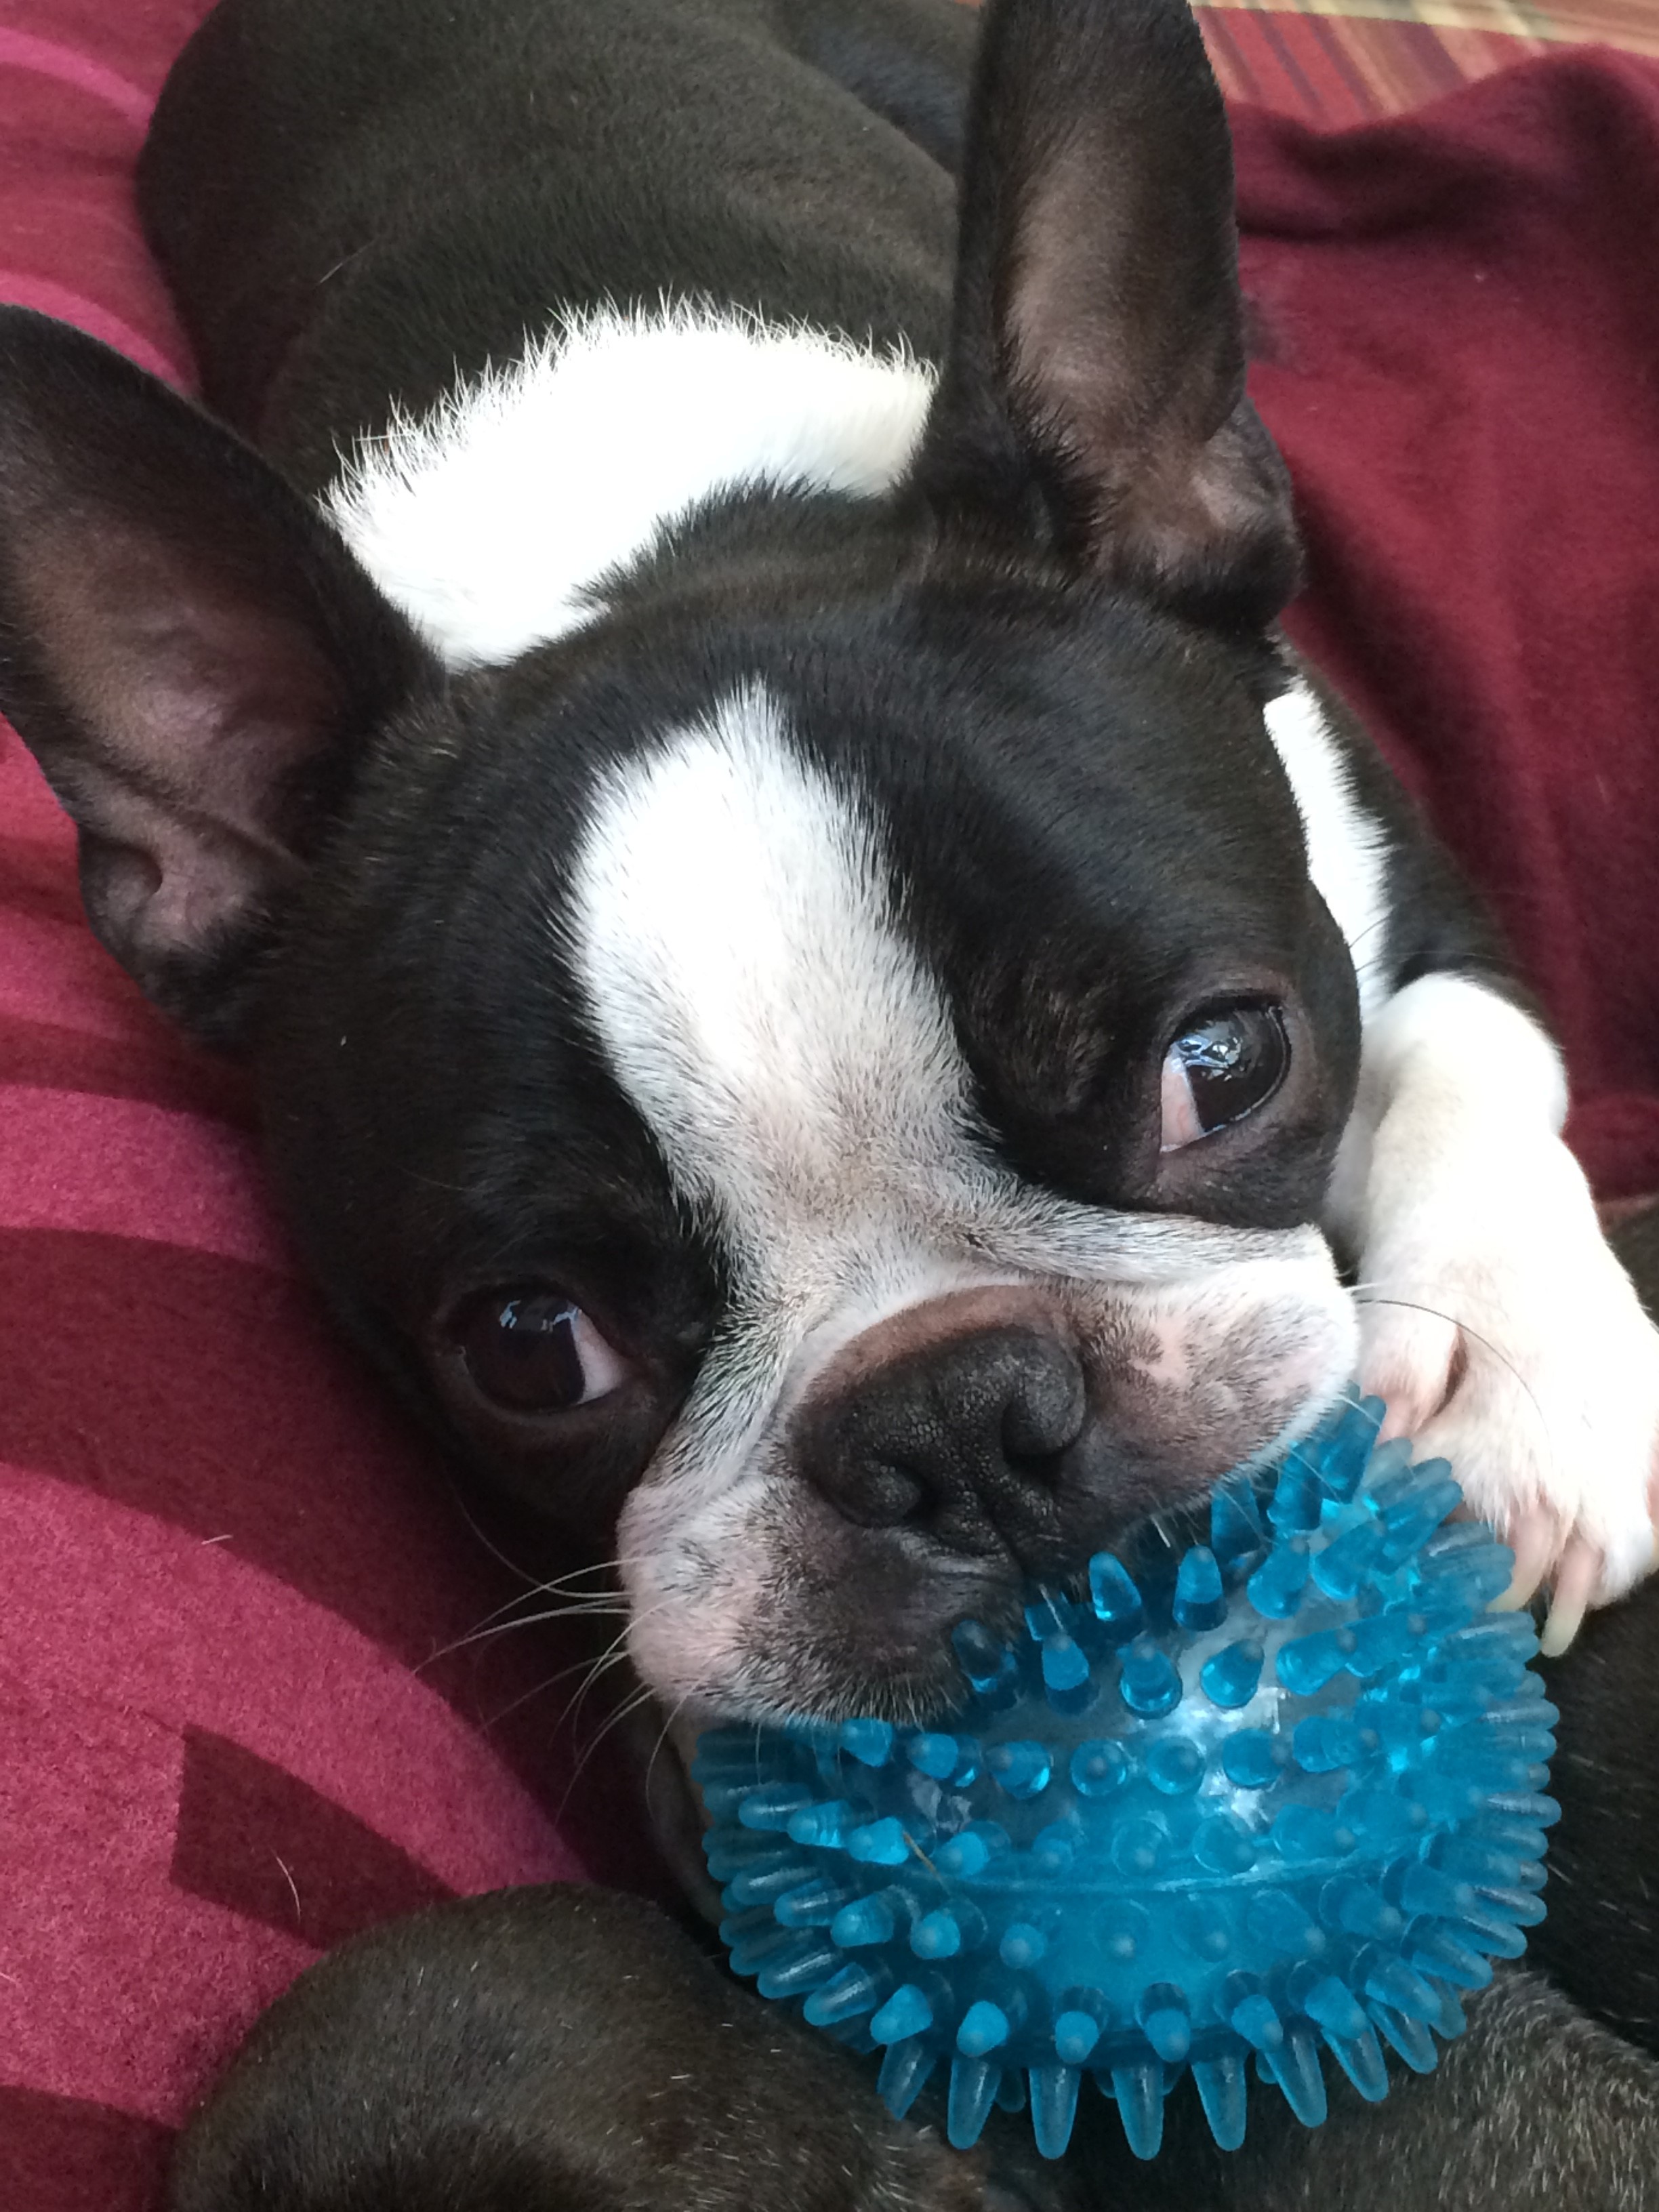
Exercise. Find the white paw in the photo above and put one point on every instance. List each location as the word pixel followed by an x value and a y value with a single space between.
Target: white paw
pixel 1504 1335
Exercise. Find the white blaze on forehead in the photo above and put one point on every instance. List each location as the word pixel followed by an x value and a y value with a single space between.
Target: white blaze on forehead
pixel 733 925
pixel 735 934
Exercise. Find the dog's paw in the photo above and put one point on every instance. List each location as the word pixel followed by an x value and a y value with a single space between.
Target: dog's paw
pixel 1504 1335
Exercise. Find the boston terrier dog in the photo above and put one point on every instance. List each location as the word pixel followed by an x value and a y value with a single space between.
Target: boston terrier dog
pixel 830 1002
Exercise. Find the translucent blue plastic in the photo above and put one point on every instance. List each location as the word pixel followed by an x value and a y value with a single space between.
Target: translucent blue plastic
pixel 1277 1798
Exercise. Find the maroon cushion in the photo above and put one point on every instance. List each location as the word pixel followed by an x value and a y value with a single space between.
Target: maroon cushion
pixel 225 1741
pixel 1461 325
pixel 225 1570
pixel 224 1567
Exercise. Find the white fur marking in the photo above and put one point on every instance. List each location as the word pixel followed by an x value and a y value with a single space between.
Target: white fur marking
pixel 735 930
pixel 1346 852
pixel 732 922
pixel 493 521
pixel 1484 1276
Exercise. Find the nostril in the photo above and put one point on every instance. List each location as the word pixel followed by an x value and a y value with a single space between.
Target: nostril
pixel 1046 1410
pixel 965 1438
pixel 885 1496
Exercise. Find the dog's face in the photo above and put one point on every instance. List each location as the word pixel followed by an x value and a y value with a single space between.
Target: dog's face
pixel 822 1079
pixel 845 1136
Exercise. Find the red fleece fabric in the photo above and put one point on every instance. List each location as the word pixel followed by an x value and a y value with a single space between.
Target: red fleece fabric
pixel 1462 327
pixel 224 1566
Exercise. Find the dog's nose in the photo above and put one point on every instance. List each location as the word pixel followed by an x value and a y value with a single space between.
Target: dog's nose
pixel 962 1438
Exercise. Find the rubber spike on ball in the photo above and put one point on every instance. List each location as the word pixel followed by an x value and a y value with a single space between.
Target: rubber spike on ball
pixel 1264 1805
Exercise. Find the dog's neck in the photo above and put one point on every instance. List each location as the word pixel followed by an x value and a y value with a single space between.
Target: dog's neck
pixel 494 520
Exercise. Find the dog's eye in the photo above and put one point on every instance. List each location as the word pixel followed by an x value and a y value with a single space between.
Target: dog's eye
pixel 533 1352
pixel 1224 1064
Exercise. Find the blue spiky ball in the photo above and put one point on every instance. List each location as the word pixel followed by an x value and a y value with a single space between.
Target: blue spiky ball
pixel 1269 1798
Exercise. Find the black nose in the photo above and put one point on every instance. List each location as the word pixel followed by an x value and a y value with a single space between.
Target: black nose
pixel 962 1438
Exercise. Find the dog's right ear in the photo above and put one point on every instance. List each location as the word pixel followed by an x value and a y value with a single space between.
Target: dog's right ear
pixel 191 652
pixel 1092 397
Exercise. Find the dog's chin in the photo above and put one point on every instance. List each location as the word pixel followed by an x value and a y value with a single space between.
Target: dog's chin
pixel 823 1676
pixel 834 1664
pixel 827 1680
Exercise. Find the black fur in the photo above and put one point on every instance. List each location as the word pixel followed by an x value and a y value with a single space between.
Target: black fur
pixel 469 168
pixel 1045 655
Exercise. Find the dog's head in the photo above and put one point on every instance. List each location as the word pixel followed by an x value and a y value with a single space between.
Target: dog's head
pixel 824 1077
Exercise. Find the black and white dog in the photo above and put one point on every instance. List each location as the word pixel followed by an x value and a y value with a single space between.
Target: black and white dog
pixel 829 1001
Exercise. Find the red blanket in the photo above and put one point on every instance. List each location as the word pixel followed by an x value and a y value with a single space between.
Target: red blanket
pixel 221 1563
pixel 1462 321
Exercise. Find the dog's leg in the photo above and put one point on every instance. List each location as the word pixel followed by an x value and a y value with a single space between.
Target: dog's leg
pixel 570 2051
pixel 1533 2109
pixel 1495 1319
pixel 559 2049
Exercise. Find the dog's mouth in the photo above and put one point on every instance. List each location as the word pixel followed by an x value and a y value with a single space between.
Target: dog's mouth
pixel 856 1664
pixel 947 1458
pixel 803 1613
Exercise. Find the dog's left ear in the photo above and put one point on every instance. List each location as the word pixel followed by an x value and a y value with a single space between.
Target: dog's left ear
pixel 192 654
pixel 1094 389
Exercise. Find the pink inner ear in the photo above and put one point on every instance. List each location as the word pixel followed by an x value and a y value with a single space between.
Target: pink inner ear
pixel 222 709
pixel 1194 503
pixel 1122 290
pixel 1135 382
pixel 1098 361
pixel 199 704
pixel 193 656
pixel 201 707
pixel 1069 349
pixel 166 887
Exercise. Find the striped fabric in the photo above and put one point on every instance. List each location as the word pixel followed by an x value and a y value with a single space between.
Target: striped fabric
pixel 225 1741
pixel 233 1730
pixel 232 1727
pixel 1341 62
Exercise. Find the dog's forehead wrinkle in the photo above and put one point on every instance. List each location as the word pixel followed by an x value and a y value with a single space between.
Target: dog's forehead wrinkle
pixel 735 930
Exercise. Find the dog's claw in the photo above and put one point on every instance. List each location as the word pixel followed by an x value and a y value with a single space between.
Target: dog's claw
pixel 1534 1534
pixel 1575 1582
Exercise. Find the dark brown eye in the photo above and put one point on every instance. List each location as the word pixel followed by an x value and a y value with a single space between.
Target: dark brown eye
pixel 534 1351
pixel 1224 1064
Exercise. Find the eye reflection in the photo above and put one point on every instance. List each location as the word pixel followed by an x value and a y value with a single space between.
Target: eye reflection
pixel 534 1350
pixel 1228 1061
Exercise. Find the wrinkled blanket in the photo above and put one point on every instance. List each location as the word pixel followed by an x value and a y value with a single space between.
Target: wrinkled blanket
pixel 225 1570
